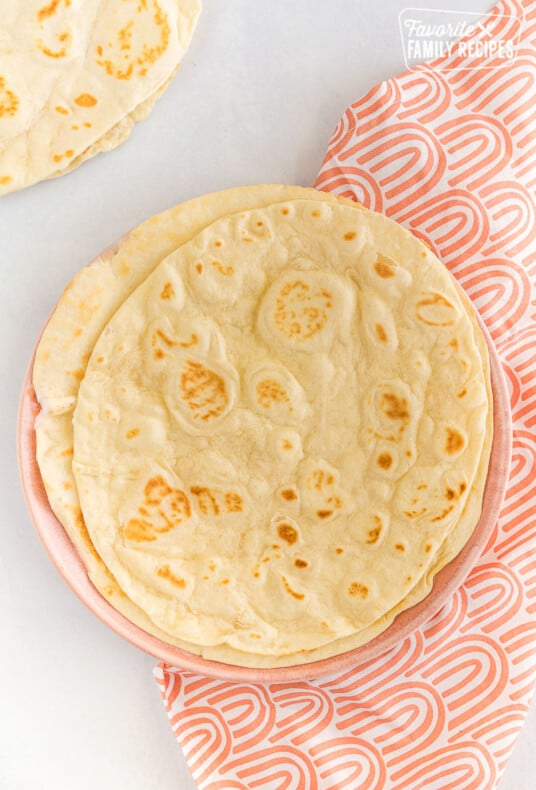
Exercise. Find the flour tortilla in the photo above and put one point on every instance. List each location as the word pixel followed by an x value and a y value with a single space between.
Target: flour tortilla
pixel 185 414
pixel 85 308
pixel 75 77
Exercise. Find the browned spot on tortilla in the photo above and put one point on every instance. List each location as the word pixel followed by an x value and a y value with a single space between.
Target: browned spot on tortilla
pixel 454 344
pixel 85 100
pixel 287 444
pixel 450 493
pixel 253 635
pixel 225 271
pixel 139 531
pixel 316 479
pixel 443 513
pixel 87 124
pixel 284 211
pixel 100 359
pixel 189 343
pixel 218 243
pixel 165 572
pixel 296 316
pixel 132 433
pixel 421 486
pixel 163 508
pixel 55 53
pixel 260 224
pixel 120 64
pixel 394 407
pixel 168 292
pixel 384 460
pixel 246 238
pixel 5 179
pixel 463 486
pixel 161 335
pixel 287 533
pixel 324 513
pixel 289 494
pixel 276 546
pixel 299 563
pixel 270 391
pixel 357 589
pixel 375 532
pixel 50 9
pixel 203 391
pixel 434 300
pixel 233 502
pixel 206 500
pixel 77 374
pixel 428 548
pixel 315 213
pixel 408 579
pixel 158 353
pixel 61 110
pixel 408 453
pixel 381 334
pixel 67 452
pixel 373 535
pixel 292 592
pixel 339 550
pixel 400 547
pixel 384 266
pixel 9 101
pixel 224 581
pixel 199 267
pixel 462 393
pixel 415 513
pixel 350 235
pixel 455 441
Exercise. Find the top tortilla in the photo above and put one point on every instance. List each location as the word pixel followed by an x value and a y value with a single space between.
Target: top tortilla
pixel 320 351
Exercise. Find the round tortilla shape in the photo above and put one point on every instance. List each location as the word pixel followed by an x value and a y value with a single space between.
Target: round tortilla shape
pixel 176 460
pixel 66 557
pixel 78 76
pixel 70 332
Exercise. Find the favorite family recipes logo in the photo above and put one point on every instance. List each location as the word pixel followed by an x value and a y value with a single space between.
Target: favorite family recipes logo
pixel 457 40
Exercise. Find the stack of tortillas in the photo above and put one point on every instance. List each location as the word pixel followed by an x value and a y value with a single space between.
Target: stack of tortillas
pixel 266 423
pixel 75 75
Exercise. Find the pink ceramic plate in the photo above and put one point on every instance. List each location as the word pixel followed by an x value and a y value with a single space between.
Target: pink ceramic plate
pixel 65 558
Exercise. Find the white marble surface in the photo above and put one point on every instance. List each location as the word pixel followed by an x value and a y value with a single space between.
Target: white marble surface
pixel 255 101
